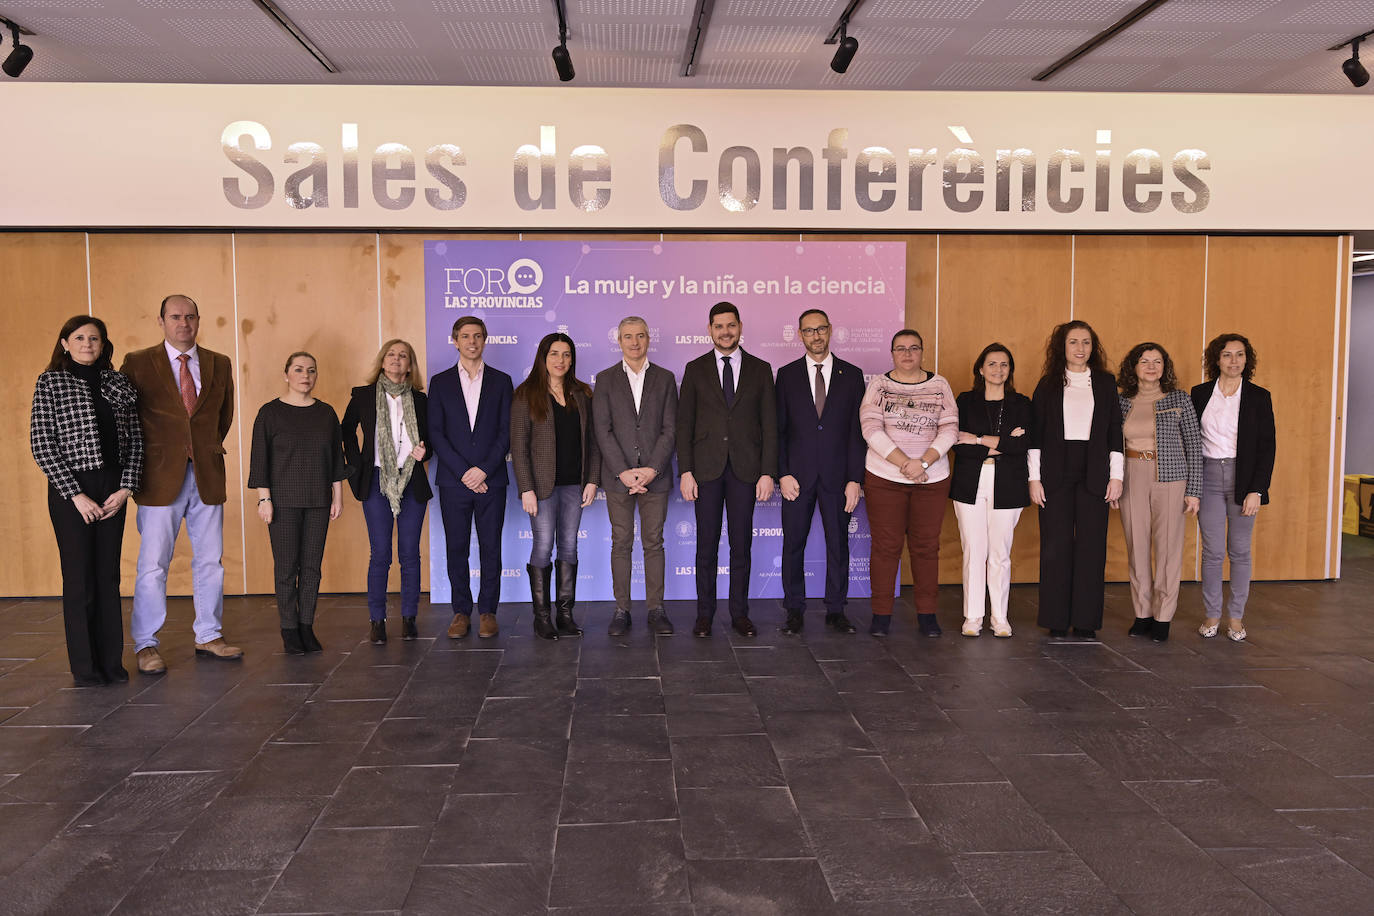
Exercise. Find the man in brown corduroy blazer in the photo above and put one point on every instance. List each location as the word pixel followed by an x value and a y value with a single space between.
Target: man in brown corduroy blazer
pixel 186 405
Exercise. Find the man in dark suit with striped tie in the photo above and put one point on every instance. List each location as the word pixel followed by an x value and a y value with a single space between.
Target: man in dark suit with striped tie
pixel 821 462
pixel 727 452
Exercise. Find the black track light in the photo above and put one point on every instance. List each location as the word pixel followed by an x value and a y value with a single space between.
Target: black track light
pixel 21 55
pixel 562 62
pixel 844 54
pixel 1353 69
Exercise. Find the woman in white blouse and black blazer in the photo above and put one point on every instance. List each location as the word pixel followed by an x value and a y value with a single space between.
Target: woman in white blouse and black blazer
pixel 1075 466
pixel 86 437
pixel 1238 444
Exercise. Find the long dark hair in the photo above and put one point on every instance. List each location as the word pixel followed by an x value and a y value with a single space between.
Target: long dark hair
pixel 1211 360
pixel 1129 382
pixel 535 388
pixel 979 383
pixel 61 361
pixel 1056 363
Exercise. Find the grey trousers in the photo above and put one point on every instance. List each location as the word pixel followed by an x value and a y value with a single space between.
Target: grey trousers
pixel 1225 533
pixel 653 511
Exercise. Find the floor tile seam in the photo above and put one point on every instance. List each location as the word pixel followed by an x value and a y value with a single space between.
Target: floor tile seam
pixel 643 820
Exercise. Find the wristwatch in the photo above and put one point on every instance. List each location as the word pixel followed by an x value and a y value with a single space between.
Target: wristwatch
pixel 925 464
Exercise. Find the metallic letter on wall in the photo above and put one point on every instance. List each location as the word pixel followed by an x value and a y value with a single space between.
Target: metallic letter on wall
pixel 667 167
pixel 383 173
pixel 1187 163
pixel 865 175
pixel 956 176
pixel 1143 167
pixel 1054 180
pixel 434 164
pixel 589 163
pixel 753 179
pixel 1026 159
pixel 231 139
pixel 316 172
pixel 542 155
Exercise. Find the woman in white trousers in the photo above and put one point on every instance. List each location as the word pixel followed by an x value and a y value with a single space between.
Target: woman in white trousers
pixel 989 485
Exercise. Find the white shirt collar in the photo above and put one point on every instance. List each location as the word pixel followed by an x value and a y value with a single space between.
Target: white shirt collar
pixel 173 353
pixel 462 370
pixel 825 364
pixel 628 371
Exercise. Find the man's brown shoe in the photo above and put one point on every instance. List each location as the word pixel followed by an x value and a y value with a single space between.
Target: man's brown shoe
pixel 486 626
pixel 218 648
pixel 460 626
pixel 150 661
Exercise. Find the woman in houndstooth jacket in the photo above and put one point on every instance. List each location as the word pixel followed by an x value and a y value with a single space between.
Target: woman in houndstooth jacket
pixel 1163 482
pixel 85 435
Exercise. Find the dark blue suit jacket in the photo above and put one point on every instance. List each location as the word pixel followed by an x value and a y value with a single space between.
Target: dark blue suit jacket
pixel 459 446
pixel 828 450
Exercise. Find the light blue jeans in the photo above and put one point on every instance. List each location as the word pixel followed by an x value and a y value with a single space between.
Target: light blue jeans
pixel 158 527
pixel 558 518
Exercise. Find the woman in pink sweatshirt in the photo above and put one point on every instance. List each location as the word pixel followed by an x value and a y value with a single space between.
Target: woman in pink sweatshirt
pixel 910 421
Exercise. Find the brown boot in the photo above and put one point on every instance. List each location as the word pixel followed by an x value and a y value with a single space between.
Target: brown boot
pixel 150 661
pixel 218 648
pixel 486 626
pixel 459 628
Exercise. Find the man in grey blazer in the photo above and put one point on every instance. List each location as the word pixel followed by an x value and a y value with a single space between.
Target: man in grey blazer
pixel 727 453
pixel 635 416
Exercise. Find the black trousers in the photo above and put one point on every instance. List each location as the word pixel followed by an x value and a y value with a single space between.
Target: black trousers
pixel 297 551
pixel 1073 549
pixel 729 496
pixel 89 554
pixel 796 526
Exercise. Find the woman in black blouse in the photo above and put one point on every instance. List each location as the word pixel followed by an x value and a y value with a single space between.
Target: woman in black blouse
pixel 85 435
pixel 297 468
pixel 557 466
pixel 989 485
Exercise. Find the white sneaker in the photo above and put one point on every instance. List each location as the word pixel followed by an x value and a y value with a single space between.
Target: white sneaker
pixel 971 628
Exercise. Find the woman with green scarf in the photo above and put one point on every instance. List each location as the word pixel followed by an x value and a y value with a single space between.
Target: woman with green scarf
pixel 387 475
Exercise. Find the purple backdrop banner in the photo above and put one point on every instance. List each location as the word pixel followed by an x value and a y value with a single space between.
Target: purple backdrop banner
pixel 524 290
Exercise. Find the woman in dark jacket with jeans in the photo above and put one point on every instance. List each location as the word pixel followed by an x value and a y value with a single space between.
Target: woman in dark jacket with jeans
pixel 557 467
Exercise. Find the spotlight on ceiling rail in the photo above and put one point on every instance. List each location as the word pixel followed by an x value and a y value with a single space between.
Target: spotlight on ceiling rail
pixel 562 60
pixel 848 44
pixel 20 57
pixel 1353 69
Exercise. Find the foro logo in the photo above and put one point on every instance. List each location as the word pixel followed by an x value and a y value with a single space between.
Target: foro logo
pixel 685 529
pixel 524 276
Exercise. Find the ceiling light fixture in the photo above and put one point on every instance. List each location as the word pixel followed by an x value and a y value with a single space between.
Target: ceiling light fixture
pixel 1101 38
pixel 848 44
pixel 1353 69
pixel 562 60
pixel 21 55
pixel 701 16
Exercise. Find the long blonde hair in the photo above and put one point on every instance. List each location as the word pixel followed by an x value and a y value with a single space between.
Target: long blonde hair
pixel 416 377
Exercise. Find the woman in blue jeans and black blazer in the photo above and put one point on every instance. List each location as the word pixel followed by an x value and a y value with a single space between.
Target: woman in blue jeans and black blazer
pixel 1238 443
pixel 557 467
pixel 387 475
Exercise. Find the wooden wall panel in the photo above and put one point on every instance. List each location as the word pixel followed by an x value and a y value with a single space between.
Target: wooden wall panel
pixel 1012 289
pixel 131 273
pixel 1133 288
pixel 1281 292
pixel 318 293
pixel 44 284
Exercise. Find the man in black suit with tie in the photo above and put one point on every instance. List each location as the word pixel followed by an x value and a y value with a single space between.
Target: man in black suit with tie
pixel 821 461
pixel 727 452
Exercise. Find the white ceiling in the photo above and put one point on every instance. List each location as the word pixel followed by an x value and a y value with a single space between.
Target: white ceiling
pixel 1185 45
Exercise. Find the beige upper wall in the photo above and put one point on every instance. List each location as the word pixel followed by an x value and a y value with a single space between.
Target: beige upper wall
pixel 263 295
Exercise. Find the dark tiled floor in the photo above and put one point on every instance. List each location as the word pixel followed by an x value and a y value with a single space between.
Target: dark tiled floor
pixel 828 774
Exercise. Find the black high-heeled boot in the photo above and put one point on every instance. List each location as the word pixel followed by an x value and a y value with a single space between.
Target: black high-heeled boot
pixel 539 599
pixel 567 598
pixel 291 641
pixel 308 639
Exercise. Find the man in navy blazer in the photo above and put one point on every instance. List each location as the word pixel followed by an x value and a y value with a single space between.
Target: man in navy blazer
pixel 821 462
pixel 469 424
